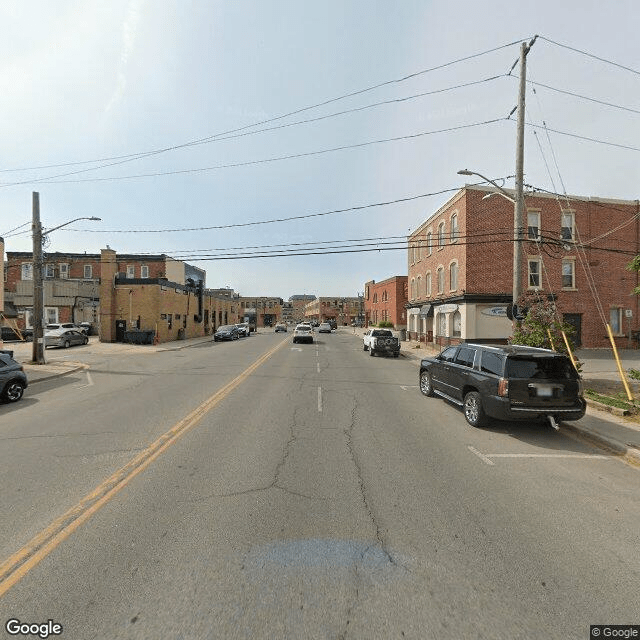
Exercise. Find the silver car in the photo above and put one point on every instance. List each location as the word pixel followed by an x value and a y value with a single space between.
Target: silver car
pixel 303 333
pixel 64 338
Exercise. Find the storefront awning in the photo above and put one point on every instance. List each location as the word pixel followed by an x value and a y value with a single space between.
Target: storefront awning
pixel 426 311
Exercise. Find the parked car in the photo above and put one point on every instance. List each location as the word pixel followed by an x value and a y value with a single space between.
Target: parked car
pixel 281 327
pixel 380 341
pixel 505 383
pixel 324 327
pixel 302 333
pixel 243 329
pixel 226 332
pixel 64 338
pixel 9 334
pixel 13 380
pixel 68 325
pixel 86 328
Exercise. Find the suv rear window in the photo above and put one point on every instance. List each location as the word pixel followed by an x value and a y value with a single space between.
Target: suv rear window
pixel 556 368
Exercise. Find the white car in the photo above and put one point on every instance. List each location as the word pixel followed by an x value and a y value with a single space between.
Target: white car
pixel 303 333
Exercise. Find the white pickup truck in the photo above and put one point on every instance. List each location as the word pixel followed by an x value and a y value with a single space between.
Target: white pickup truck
pixel 380 341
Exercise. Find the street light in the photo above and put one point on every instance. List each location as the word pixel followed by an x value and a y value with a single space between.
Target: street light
pixel 517 230
pixel 37 354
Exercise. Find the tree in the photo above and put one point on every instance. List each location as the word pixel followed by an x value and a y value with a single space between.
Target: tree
pixel 634 265
pixel 542 318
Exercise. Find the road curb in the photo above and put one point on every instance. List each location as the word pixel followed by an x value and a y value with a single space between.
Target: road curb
pixel 56 374
pixel 624 451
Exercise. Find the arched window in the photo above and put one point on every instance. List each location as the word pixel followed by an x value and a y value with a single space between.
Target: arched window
pixel 429 243
pixel 457 324
pixel 427 281
pixel 441 238
pixel 413 289
pixel 453 276
pixel 440 279
pixel 454 228
pixel 419 287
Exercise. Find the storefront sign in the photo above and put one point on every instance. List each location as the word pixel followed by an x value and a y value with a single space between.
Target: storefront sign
pixel 500 312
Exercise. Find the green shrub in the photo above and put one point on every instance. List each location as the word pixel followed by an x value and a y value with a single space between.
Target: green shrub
pixel 385 325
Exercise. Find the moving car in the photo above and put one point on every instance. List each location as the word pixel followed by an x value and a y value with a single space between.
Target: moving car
pixel 509 382
pixel 324 327
pixel 64 338
pixel 302 333
pixel 13 380
pixel 281 327
pixel 226 332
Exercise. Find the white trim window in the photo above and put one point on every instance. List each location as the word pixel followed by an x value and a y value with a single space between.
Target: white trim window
pixel 27 271
pixel 568 273
pixel 427 280
pixel 429 243
pixel 413 290
pixel 533 225
pixel 87 272
pixel 63 268
pixel 534 273
pixel 144 271
pixel 453 276
pixel 455 234
pixel 419 286
pixel 49 270
pixel 51 315
pixel 442 324
pixel 568 226
pixel 441 238
pixel 440 279
pixel 131 271
pixel 457 324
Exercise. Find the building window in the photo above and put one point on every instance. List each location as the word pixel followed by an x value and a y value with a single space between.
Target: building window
pixel 413 289
pixel 453 275
pixel 131 271
pixel 419 287
pixel 51 315
pixel 427 280
pixel 533 225
pixel 442 324
pixel 440 279
pixel 375 297
pixel 568 226
pixel 534 273
pixel 27 271
pixel 429 243
pixel 568 273
pixel 454 227
pixel 88 271
pixel 144 271
pixel 441 239
pixel 616 321
pixel 457 324
pixel 64 270
pixel 49 270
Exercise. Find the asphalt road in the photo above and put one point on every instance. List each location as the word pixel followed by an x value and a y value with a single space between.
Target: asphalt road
pixel 315 494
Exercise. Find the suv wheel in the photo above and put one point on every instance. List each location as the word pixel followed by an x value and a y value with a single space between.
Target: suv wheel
pixel 364 347
pixel 473 411
pixel 426 386
pixel 372 352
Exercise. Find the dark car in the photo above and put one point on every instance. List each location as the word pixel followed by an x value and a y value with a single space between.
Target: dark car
pixel 226 332
pixel 13 380
pixel 505 383
pixel 9 334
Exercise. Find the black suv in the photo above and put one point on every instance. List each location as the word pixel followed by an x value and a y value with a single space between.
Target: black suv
pixel 506 383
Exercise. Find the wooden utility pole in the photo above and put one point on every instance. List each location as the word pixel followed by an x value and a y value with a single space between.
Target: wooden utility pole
pixel 38 310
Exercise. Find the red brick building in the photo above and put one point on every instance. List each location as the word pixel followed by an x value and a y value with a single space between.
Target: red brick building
pixel 386 301
pixel 575 249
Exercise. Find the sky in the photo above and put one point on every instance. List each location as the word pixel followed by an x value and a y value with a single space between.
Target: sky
pixel 218 131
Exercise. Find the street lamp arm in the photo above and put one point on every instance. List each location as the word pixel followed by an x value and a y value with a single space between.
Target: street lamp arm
pixel 44 233
pixel 501 191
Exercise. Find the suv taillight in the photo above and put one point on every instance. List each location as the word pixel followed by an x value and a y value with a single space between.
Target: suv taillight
pixel 580 388
pixel 503 387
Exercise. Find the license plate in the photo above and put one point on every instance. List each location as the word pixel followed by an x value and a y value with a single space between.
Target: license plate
pixel 545 391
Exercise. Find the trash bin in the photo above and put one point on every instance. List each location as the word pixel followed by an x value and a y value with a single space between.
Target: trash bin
pixel 180 334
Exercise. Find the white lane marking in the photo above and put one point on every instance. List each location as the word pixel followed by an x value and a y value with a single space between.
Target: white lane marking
pixel 320 399
pixel 481 456
pixel 407 387
pixel 296 349
pixel 89 381
pixel 318 366
pixel 546 455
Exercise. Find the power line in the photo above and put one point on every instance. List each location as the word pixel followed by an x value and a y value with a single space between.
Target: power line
pixel 137 156
pixel 264 160
pixel 591 55
pixel 580 137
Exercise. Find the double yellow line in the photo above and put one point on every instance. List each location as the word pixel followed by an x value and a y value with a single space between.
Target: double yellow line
pixel 14 568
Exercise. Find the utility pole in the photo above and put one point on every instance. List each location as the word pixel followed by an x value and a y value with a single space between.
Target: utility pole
pixel 37 355
pixel 518 215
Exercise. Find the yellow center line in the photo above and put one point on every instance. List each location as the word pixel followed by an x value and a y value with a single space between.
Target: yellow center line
pixel 14 568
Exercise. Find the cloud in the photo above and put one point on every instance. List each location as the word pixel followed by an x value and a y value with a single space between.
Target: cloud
pixel 129 30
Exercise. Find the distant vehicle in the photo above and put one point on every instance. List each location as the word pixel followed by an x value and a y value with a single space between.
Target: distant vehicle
pixel 86 328
pixel 281 327
pixel 243 329
pixel 302 333
pixel 505 383
pixel 226 332
pixel 324 327
pixel 69 325
pixel 13 380
pixel 64 338
pixel 380 341
pixel 333 322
